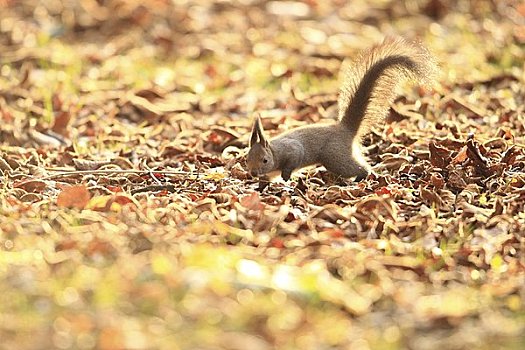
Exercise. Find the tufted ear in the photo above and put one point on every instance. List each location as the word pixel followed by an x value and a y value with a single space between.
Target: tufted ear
pixel 255 134
pixel 260 132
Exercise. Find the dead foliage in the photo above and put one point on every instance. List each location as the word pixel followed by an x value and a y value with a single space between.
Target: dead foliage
pixel 128 220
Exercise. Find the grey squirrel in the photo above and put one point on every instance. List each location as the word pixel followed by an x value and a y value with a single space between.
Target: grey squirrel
pixel 366 94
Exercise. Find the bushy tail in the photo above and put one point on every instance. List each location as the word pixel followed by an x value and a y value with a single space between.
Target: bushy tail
pixel 370 82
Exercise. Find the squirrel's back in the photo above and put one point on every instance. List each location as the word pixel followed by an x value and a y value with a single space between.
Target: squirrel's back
pixel 370 81
pixel 316 141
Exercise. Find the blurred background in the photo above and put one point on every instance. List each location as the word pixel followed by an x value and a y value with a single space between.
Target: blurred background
pixel 143 82
pixel 472 38
pixel 248 49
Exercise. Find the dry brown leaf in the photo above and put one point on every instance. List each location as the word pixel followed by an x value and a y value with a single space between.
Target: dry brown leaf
pixel 431 198
pixel 439 156
pixel 85 164
pixel 35 186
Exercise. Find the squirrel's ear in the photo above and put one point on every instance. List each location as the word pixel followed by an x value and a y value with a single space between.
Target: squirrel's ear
pixel 255 134
pixel 260 131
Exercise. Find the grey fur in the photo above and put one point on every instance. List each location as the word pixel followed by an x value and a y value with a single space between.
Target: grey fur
pixel 365 97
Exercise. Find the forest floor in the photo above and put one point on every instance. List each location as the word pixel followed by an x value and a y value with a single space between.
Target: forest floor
pixel 128 219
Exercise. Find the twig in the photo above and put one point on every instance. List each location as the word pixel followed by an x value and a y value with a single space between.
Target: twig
pixel 154 188
pixel 151 174
pixel 115 171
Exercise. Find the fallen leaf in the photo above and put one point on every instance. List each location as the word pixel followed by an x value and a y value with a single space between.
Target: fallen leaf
pixel 35 186
pixel 252 201
pixel 74 197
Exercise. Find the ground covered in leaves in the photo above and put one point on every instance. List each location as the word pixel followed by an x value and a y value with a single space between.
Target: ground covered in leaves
pixel 128 220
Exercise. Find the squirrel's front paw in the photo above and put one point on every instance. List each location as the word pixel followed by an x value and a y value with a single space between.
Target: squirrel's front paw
pixel 362 175
pixel 286 174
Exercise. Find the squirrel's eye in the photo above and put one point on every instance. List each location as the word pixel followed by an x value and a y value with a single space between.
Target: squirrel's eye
pixel 265 161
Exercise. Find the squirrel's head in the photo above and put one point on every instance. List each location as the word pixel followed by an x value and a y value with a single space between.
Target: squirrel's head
pixel 260 157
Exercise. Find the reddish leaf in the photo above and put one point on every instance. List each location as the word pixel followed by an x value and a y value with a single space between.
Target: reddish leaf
pixel 74 197
pixel 114 188
pixel 122 200
pixel 335 233
pixel 61 121
pixel 461 156
pixel 252 201
pixel 382 190
pixel 277 242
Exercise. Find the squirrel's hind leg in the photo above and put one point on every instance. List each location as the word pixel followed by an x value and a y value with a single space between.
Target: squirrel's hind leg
pixel 348 165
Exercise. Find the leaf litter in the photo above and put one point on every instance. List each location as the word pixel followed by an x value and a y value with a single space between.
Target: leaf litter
pixel 128 220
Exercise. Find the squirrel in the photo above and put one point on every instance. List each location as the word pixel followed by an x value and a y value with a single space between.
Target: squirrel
pixel 365 96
